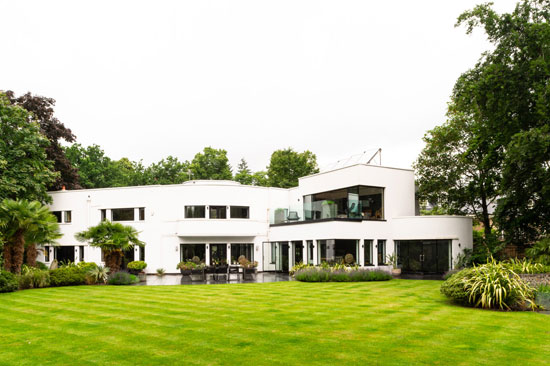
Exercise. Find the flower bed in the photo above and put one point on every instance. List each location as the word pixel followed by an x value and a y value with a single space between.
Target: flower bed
pixel 321 274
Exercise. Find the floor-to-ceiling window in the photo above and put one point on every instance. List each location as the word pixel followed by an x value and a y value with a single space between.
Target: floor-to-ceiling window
pixel 381 250
pixel 189 251
pixel 298 252
pixel 218 254
pixel 309 245
pixel 238 249
pixel 357 202
pixel 368 252
pixel 337 250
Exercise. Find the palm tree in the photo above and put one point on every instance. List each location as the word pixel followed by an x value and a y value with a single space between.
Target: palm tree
pixel 113 239
pixel 25 222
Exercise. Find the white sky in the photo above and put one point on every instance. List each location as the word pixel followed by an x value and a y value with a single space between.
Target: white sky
pixel 150 79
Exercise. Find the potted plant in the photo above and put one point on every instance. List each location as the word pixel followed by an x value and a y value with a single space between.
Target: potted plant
pixel 137 268
pixel 392 259
pixel 185 267
pixel 248 266
pixel 161 272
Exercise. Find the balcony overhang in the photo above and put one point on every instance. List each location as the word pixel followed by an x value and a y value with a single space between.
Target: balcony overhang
pixel 219 228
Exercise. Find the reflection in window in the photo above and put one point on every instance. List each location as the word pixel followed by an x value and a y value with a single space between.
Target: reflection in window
pixel 46 254
pixel 122 214
pixel 368 252
pixel 188 251
pixel 218 212
pixel 381 251
pixel 240 212
pixel 242 249
pixel 195 212
pixel 358 202
pixel 67 216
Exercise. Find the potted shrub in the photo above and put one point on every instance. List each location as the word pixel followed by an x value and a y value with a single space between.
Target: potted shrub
pixel 392 259
pixel 248 266
pixel 185 267
pixel 137 269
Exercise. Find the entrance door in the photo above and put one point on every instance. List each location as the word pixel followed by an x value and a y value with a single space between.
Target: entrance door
pixel 424 256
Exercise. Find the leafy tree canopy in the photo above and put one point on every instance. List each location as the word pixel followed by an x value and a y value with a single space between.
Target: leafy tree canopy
pixel 24 224
pixel 25 170
pixel 211 164
pixel 287 165
pixel 494 143
pixel 42 111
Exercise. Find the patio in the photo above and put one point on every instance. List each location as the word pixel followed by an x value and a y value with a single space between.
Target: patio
pixel 177 279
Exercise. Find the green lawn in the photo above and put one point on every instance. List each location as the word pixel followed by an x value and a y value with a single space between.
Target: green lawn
pixel 400 322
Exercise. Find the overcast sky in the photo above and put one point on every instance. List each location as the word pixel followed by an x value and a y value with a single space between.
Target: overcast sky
pixel 150 79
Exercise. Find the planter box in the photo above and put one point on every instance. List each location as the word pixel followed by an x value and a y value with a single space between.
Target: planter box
pixel 142 276
pixel 250 272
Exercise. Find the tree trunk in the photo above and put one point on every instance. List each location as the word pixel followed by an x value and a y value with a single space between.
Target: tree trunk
pixel 486 222
pixel 18 251
pixel 113 260
pixel 7 257
pixel 32 253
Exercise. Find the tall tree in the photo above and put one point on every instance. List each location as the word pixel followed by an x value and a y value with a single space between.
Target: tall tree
pixel 168 171
pixel 96 170
pixel 25 224
pixel 113 239
pixel 451 173
pixel 287 165
pixel 42 111
pixel 507 93
pixel 524 207
pixel 498 109
pixel 211 164
pixel 243 175
pixel 25 170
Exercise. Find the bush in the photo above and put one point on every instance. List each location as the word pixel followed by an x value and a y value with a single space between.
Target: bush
pixel 32 277
pixel 490 286
pixel 67 276
pixel 41 265
pixel 526 266
pixel 87 266
pixel 123 278
pixel 319 274
pixel 137 265
pixel 8 282
pixel 454 286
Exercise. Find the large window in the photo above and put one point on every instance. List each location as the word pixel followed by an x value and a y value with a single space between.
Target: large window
pixel 309 244
pixel 240 212
pixel 298 252
pixel 242 249
pixel 142 214
pixel 189 251
pixel 358 202
pixel 122 214
pixel 81 253
pixel 195 212
pixel 218 253
pixel 273 252
pixel 67 216
pixel 46 254
pixel 218 212
pixel 381 251
pixel 368 252
pixel 335 250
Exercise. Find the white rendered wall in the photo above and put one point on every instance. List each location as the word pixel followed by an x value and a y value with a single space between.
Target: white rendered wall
pixel 165 226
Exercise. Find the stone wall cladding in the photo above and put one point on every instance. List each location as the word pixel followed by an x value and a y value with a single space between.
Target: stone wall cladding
pixel 535 280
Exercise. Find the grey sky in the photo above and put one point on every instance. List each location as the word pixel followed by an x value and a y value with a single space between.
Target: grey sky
pixel 151 79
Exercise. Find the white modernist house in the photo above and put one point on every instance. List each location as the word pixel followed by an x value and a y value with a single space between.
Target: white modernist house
pixel 367 211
